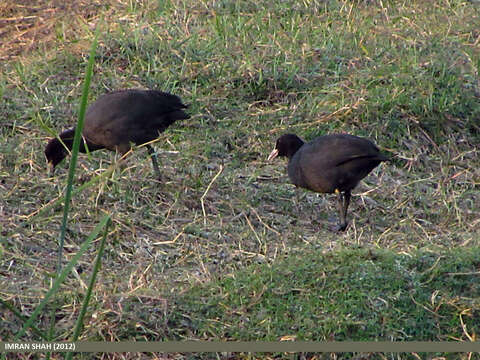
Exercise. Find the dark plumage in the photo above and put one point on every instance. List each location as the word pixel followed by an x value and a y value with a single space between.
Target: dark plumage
pixel 118 118
pixel 329 164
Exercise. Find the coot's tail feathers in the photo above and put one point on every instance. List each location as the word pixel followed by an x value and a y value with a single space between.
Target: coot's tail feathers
pixel 376 157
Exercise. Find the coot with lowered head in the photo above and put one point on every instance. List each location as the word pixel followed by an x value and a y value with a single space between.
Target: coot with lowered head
pixel 119 118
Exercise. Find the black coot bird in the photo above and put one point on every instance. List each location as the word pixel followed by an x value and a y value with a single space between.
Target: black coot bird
pixel 119 118
pixel 329 164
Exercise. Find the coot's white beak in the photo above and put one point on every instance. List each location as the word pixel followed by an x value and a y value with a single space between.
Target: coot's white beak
pixel 273 154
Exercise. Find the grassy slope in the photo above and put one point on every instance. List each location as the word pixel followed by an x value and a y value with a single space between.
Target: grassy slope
pixel 348 295
pixel 403 75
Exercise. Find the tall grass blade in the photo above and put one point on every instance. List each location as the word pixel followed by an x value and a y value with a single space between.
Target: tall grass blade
pixel 76 146
pixel 61 277
pixel 96 267
pixel 73 161
pixel 19 315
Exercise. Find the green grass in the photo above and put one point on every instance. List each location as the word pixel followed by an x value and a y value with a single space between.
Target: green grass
pixel 404 74
pixel 357 295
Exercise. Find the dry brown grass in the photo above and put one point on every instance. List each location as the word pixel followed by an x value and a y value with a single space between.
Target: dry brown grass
pixel 32 25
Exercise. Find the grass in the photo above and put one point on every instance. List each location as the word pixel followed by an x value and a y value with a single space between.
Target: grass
pixel 403 74
pixel 353 294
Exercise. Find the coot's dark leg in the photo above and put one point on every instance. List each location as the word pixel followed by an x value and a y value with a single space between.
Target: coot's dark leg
pixel 342 201
pixel 153 155
pixel 346 202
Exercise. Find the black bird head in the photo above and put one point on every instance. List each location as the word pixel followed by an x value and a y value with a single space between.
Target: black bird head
pixel 287 145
